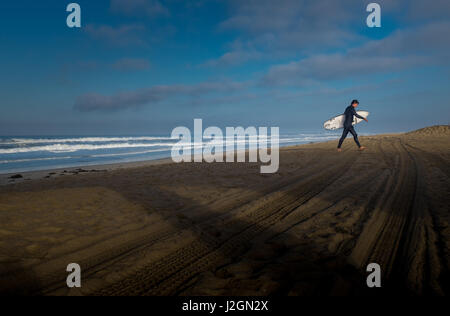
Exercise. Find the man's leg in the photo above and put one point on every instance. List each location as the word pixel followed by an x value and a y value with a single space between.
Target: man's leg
pixel 355 136
pixel 344 135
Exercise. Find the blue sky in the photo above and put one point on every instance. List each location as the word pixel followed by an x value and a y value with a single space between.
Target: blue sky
pixel 147 66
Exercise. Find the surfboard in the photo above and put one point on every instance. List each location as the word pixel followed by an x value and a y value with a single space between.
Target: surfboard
pixel 338 121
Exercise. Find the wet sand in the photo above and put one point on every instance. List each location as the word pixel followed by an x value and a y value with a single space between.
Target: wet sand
pixel 225 229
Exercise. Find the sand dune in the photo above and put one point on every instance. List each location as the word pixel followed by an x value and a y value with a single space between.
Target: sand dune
pixel 226 229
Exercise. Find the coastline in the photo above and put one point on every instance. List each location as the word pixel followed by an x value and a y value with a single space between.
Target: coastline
pixel 19 155
pixel 5 178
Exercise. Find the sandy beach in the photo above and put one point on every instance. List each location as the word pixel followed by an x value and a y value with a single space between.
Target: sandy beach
pixel 159 228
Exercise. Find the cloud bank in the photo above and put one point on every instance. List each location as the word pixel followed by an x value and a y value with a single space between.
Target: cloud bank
pixel 152 95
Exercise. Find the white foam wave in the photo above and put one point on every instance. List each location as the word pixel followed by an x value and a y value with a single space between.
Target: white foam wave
pixel 84 157
pixel 64 147
pixel 33 159
pixel 81 140
pixel 61 148
pixel 23 141
pixel 131 153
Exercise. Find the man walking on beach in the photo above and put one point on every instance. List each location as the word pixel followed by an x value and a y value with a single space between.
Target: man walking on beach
pixel 348 127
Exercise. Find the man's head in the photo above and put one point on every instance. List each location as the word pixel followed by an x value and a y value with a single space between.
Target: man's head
pixel 355 103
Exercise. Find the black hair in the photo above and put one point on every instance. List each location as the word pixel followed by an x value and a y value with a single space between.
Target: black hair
pixel 354 101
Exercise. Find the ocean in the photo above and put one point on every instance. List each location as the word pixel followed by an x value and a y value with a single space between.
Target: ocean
pixel 20 154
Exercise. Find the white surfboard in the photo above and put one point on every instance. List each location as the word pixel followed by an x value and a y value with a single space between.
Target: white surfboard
pixel 338 121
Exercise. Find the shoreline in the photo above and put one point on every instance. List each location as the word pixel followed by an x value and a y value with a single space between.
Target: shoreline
pixel 5 178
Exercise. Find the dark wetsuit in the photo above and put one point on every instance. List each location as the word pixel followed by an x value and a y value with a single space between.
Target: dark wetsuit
pixel 348 127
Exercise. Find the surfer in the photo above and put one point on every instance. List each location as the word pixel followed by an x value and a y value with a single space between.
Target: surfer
pixel 348 127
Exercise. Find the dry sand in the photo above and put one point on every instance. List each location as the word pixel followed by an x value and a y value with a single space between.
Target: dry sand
pixel 226 229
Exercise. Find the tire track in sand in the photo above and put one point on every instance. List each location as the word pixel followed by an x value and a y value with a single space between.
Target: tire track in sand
pixel 398 236
pixel 422 253
pixel 167 275
pixel 140 246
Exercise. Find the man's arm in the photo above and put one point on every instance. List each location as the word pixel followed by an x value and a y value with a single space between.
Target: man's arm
pixel 358 116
